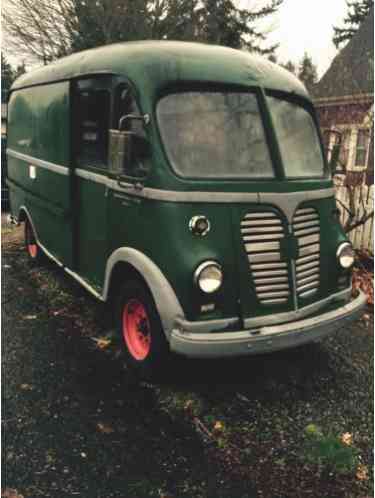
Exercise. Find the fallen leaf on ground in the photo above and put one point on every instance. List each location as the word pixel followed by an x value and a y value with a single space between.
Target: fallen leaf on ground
pixel 101 342
pixel 362 472
pixel 105 429
pixel 26 387
pixel 10 493
pixel 347 438
pixel 218 427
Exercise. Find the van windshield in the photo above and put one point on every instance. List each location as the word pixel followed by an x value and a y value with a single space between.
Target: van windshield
pixel 214 135
pixel 298 139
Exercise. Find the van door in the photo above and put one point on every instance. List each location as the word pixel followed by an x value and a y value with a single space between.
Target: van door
pixel 92 116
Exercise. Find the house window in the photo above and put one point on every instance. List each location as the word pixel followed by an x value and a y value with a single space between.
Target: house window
pixel 344 150
pixel 361 148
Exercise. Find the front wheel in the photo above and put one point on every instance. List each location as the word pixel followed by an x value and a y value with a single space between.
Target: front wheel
pixel 142 336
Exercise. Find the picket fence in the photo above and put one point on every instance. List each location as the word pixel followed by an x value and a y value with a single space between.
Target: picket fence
pixel 362 236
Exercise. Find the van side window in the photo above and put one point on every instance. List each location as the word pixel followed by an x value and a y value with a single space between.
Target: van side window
pixel 93 124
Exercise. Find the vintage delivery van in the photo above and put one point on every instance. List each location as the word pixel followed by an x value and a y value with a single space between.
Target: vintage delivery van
pixel 187 184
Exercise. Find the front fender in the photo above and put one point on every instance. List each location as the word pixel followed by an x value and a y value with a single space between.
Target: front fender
pixel 166 301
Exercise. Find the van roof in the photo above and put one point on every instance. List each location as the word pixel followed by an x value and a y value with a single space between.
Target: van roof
pixel 155 64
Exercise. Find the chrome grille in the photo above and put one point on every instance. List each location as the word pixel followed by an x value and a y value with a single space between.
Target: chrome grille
pixel 261 234
pixel 306 228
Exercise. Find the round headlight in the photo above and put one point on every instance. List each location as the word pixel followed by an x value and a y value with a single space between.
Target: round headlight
pixel 199 225
pixel 209 277
pixel 345 255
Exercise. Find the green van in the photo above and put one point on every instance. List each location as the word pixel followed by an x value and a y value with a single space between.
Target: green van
pixel 187 184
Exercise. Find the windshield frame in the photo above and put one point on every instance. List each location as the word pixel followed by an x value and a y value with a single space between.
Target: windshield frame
pixel 220 88
pixel 270 134
pixel 308 107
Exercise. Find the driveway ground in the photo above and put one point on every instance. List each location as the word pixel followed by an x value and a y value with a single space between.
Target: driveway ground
pixel 77 423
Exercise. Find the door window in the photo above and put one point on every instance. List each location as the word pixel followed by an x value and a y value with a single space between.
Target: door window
pixel 93 116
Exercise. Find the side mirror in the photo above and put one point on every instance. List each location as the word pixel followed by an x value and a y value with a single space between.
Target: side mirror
pixel 120 151
pixel 128 154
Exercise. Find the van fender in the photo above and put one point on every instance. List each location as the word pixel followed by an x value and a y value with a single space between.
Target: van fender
pixel 166 301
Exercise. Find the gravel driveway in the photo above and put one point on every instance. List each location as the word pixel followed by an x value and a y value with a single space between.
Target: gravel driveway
pixel 77 423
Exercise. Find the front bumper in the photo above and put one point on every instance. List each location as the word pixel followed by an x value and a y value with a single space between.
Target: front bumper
pixel 267 338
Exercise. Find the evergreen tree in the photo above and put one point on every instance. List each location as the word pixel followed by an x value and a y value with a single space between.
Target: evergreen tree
pixel 358 10
pixel 290 67
pixel 20 70
pixel 307 72
pixel 67 26
pixel 7 76
pixel 272 58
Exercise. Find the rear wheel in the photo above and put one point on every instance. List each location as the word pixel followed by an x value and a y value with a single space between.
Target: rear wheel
pixel 33 250
pixel 142 336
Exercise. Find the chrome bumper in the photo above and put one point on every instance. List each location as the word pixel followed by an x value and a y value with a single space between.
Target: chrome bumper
pixel 265 339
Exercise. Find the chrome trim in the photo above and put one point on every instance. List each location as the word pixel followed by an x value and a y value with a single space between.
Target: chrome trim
pixel 264 257
pixel 307 259
pixel 307 250
pixel 270 266
pixel 193 222
pixel 308 239
pixel 261 230
pixel 288 202
pixel 290 316
pixel 304 219
pixel 257 216
pixel 341 247
pixel 56 168
pixel 271 279
pixel 306 227
pixel 202 267
pixel 309 271
pixel 265 295
pixel 262 222
pixel 275 286
pixel 338 254
pixel 89 175
pixel 262 246
pixel 84 283
pixel 314 284
pixel 267 339
pixel 308 293
pixel 248 238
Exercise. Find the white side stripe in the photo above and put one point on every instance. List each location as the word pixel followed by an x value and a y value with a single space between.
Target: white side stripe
pixel 56 168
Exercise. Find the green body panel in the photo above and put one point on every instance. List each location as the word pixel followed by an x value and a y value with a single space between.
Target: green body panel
pixel 82 222
pixel 39 126
pixel 92 233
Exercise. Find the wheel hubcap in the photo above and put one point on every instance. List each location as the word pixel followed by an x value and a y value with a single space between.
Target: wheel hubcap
pixel 136 329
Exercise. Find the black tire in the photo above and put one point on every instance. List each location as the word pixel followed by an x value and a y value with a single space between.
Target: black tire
pixel 34 252
pixel 153 366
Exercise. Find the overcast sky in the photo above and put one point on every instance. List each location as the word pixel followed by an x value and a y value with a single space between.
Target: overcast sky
pixel 299 25
pixel 308 25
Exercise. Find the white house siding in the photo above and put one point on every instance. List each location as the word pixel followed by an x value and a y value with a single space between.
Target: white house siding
pixel 361 237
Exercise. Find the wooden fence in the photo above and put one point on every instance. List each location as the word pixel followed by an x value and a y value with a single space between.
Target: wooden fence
pixel 362 236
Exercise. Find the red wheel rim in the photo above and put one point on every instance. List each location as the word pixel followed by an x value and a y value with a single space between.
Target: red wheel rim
pixel 33 250
pixel 32 247
pixel 136 329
